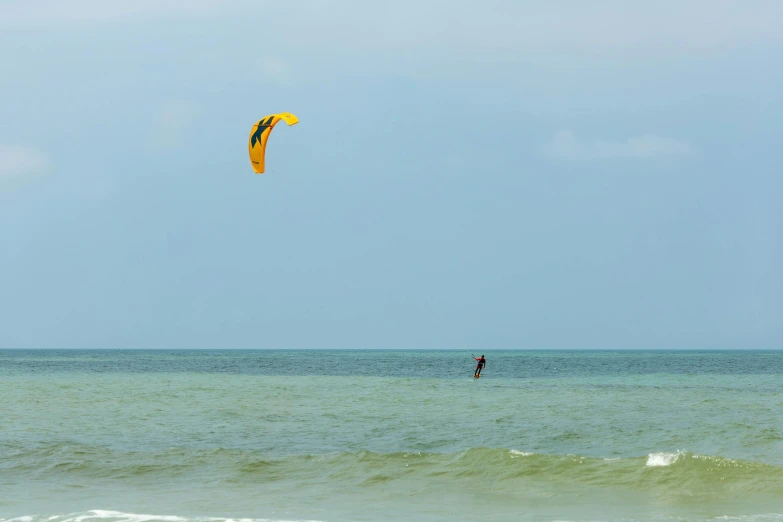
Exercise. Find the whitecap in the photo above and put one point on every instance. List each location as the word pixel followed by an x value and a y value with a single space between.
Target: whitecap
pixel 655 460
pixel 517 453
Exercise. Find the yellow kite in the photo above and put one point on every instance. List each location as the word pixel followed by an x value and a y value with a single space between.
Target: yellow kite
pixel 259 135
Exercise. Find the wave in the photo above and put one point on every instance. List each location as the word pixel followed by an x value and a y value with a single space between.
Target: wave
pixel 99 515
pixel 677 473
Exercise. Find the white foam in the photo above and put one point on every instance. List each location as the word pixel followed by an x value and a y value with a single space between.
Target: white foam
pixel 655 460
pixel 100 515
pixel 127 517
pixel 767 517
pixel 517 453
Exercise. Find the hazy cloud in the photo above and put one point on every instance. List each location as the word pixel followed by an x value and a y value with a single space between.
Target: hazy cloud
pixel 275 71
pixel 496 27
pixel 172 124
pixel 57 12
pixel 566 145
pixel 16 160
pixel 505 26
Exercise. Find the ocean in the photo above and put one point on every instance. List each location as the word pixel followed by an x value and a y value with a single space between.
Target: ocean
pixel 339 436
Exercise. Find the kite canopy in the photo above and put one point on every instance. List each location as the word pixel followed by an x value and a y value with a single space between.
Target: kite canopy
pixel 259 135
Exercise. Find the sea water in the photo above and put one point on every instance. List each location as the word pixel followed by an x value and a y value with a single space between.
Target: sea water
pixel 179 436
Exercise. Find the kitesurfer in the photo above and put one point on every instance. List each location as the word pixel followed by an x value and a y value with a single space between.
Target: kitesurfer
pixel 481 361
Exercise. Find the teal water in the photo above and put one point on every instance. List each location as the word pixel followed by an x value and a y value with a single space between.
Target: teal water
pixel 141 436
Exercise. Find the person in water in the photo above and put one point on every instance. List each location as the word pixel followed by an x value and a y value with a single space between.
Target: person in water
pixel 481 362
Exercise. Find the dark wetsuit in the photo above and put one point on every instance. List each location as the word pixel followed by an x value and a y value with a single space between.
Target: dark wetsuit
pixel 481 362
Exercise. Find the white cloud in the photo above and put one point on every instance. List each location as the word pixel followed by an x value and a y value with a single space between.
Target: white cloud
pixel 172 124
pixel 16 160
pixel 566 145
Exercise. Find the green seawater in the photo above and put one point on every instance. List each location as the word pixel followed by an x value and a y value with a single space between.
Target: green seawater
pixel 180 436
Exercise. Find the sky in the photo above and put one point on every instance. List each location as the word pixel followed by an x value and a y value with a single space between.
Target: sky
pixel 467 175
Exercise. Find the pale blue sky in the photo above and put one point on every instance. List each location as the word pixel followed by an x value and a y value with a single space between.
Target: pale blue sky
pixel 495 174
